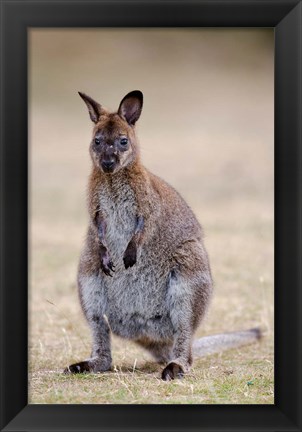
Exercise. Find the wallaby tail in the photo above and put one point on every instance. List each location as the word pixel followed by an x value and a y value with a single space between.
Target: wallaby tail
pixel 222 342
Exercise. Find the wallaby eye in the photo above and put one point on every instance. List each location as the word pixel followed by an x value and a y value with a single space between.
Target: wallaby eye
pixel 124 141
pixel 97 141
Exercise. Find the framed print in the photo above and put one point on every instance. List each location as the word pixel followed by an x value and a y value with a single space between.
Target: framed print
pixel 221 122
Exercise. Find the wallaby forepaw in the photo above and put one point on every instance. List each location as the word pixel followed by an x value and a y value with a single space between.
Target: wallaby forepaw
pixel 172 371
pixel 129 261
pixel 106 264
pixel 108 268
pixel 130 256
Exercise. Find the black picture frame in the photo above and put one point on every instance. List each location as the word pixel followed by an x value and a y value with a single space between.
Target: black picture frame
pixel 285 16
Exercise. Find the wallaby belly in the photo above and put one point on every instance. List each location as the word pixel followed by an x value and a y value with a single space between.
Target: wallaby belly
pixel 135 300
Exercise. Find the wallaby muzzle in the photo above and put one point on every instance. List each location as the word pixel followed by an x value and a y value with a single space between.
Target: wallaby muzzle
pixel 108 160
pixel 108 165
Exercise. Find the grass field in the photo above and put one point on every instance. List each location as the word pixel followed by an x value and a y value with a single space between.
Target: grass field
pixel 207 128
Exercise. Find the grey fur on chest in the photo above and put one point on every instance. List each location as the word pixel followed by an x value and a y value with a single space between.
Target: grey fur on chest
pixel 119 209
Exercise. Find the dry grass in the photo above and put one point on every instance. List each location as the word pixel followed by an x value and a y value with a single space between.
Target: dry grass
pixel 207 128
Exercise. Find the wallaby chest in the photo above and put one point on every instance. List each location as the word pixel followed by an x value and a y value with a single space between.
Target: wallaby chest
pixel 117 203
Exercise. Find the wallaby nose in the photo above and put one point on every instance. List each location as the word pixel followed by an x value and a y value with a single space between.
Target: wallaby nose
pixel 108 165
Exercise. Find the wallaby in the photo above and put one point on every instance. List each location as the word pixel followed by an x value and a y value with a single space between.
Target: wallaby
pixel 144 273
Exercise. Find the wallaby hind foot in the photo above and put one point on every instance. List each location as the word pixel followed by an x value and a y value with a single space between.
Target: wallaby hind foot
pixel 172 371
pixel 90 365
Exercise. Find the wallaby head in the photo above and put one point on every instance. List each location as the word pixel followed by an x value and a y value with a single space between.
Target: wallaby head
pixel 114 145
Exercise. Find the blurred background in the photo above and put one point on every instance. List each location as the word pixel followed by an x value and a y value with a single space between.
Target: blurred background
pixel 206 128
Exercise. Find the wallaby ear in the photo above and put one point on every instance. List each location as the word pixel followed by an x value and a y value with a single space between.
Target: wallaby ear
pixel 94 108
pixel 131 106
